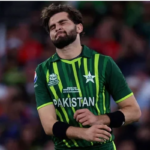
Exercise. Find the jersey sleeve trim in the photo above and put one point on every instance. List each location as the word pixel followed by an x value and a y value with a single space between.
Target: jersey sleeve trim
pixel 44 105
pixel 122 99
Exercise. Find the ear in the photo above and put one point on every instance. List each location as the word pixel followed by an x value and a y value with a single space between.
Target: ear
pixel 79 28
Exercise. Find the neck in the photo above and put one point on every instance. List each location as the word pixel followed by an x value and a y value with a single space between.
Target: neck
pixel 71 51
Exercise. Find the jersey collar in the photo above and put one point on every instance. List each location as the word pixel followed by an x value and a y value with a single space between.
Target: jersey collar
pixel 86 52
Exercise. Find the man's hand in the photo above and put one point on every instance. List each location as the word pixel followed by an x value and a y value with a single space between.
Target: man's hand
pixel 85 117
pixel 97 133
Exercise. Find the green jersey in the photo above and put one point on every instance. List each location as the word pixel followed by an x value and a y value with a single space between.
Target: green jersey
pixel 84 82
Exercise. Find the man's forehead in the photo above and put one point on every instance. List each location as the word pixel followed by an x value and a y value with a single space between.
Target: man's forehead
pixel 57 17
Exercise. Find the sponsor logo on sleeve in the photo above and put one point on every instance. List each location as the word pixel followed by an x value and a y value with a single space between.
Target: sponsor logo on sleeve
pixel 35 77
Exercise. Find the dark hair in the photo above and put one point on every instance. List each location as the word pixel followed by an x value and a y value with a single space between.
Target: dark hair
pixel 53 9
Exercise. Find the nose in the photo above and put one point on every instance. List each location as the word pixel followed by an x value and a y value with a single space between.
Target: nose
pixel 58 27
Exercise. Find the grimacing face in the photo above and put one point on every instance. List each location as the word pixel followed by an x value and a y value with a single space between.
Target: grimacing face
pixel 62 30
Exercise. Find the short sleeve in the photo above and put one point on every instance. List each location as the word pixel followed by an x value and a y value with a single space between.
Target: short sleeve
pixel 42 94
pixel 115 82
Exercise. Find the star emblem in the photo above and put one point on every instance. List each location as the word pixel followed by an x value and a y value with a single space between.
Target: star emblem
pixel 89 77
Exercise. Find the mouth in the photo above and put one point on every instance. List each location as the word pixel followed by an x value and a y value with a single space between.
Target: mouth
pixel 58 34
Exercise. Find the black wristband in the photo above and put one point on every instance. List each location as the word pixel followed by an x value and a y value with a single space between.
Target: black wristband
pixel 59 129
pixel 117 119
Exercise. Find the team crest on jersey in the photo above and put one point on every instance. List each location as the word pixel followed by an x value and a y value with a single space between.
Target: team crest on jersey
pixel 35 77
pixel 53 79
pixel 89 77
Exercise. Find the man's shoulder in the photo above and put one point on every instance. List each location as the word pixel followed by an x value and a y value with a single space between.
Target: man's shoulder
pixel 94 52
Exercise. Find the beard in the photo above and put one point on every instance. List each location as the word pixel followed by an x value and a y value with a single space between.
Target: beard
pixel 67 39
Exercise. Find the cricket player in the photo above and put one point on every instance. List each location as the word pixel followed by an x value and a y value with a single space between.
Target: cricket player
pixel 73 88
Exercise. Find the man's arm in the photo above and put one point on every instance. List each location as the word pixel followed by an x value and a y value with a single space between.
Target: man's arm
pixel 129 107
pixel 122 95
pixel 47 116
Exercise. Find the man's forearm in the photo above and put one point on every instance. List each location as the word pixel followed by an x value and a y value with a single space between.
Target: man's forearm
pixel 97 133
pixel 103 119
pixel 130 109
pixel 131 115
pixel 75 132
pixel 72 132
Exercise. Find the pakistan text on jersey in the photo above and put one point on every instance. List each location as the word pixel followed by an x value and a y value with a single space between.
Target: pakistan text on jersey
pixel 74 102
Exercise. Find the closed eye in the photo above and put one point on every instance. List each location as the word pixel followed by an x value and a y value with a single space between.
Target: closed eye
pixel 52 27
pixel 60 22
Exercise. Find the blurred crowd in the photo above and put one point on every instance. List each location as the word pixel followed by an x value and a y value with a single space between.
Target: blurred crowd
pixel 118 29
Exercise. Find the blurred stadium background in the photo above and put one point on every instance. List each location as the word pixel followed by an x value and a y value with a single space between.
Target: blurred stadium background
pixel 118 29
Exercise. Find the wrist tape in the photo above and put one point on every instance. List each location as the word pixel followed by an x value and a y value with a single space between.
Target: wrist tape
pixel 117 119
pixel 59 129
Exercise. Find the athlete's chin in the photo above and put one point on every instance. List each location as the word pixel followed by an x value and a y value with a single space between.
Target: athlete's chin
pixel 60 39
